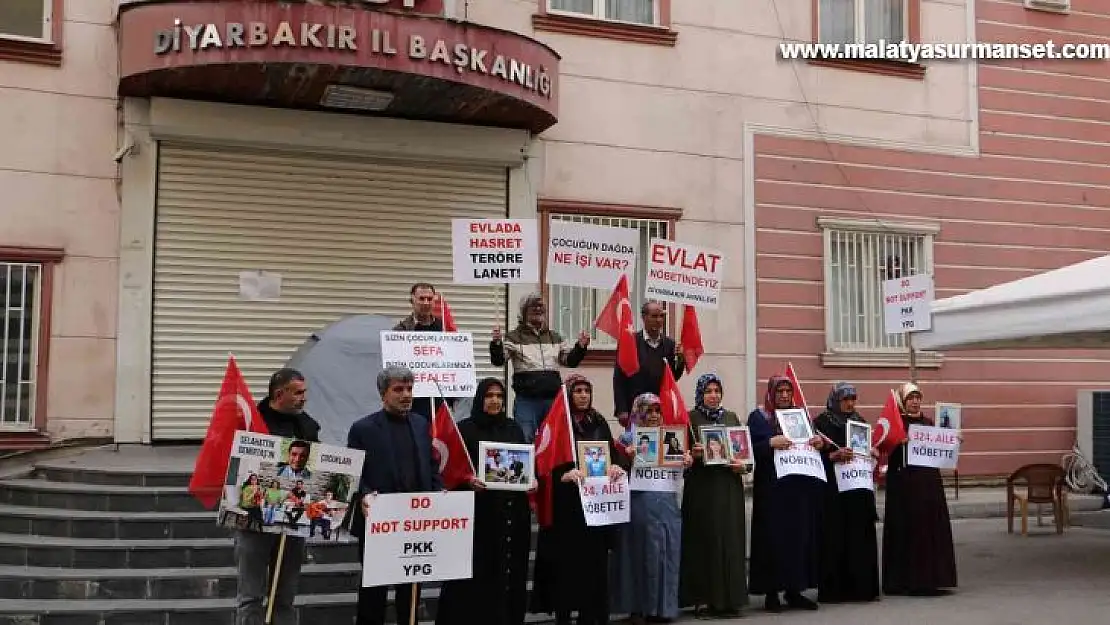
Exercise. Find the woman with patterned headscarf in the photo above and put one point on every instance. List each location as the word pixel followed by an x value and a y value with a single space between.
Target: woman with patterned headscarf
pixel 647 556
pixel 713 517
pixel 786 511
pixel 918 554
pixel 849 549
pixel 572 559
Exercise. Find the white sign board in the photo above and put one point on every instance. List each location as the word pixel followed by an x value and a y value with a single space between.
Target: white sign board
pixel 495 251
pixel 656 479
pixel 605 502
pixel 259 286
pixel 907 304
pixel 684 274
pixel 419 537
pixel 933 447
pixel 799 460
pixel 441 362
pixel 590 256
pixel 855 475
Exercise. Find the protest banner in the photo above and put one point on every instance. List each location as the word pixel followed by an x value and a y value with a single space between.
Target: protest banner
pixel 419 537
pixel 855 475
pixel 495 251
pixel 684 274
pixel 907 304
pixel 586 255
pixel 933 447
pixel 656 479
pixel 441 362
pixel 799 460
pixel 286 486
pixel 605 502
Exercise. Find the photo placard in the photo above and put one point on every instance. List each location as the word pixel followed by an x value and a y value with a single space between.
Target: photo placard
pixel 715 445
pixel 507 466
pixel 795 425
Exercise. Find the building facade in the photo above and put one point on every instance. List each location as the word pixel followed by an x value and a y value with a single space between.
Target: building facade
pixel 226 142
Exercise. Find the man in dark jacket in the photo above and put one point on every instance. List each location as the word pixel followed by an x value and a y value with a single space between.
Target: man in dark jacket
pixel 653 347
pixel 398 446
pixel 422 296
pixel 256 553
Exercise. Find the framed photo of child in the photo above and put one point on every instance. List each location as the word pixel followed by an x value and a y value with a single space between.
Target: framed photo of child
pixel 646 441
pixel 673 446
pixel 506 466
pixel 740 444
pixel 715 447
pixel 859 439
pixel 593 458
pixel 795 425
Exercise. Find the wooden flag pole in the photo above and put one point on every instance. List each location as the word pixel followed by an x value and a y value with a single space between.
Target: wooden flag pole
pixel 274 584
pixel 412 605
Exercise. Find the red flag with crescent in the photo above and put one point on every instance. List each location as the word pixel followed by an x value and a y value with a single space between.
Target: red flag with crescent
pixel 234 410
pixel 670 398
pixel 554 448
pixel 443 311
pixel 888 431
pixel 616 321
pixel 449 450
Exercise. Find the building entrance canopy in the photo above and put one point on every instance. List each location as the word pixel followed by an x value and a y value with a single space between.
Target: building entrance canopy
pixel 354 56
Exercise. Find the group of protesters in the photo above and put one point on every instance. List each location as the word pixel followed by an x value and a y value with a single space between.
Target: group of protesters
pixel 678 551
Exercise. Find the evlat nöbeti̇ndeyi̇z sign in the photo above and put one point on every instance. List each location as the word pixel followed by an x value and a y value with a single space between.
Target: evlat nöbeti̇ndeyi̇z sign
pixel 684 274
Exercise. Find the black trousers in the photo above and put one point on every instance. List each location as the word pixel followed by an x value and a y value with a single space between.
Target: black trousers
pixel 372 604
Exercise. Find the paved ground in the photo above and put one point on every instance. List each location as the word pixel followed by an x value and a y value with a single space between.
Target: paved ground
pixel 1042 579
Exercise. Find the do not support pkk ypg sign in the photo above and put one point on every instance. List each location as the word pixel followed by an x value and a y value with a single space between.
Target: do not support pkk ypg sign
pixel 495 251
pixel 441 362
pixel 419 537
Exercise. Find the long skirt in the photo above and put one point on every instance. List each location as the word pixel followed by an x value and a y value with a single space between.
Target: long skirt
pixel 648 555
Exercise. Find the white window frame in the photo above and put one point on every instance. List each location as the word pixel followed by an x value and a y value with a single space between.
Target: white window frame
pixel 47 26
pixel 599 13
pixel 657 227
pixel 870 356
pixel 34 300
pixel 860 25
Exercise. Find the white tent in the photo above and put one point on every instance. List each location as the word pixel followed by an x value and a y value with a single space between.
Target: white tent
pixel 1060 309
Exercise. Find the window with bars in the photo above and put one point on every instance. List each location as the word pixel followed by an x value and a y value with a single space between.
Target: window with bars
pixel 573 309
pixel 857 261
pixel 862 21
pixel 25 19
pixel 21 298
pixel 633 11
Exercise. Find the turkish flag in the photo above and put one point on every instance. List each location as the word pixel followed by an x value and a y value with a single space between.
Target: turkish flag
pixel 692 347
pixel 889 432
pixel 444 313
pixel 799 396
pixel 616 321
pixel 554 448
pixel 674 409
pixel 449 450
pixel 234 411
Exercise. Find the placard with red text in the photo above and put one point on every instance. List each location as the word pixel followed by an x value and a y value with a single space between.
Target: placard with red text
pixel 590 256
pixel 419 537
pixel 495 251
pixel 442 363
pixel 684 274
pixel 933 447
pixel 605 502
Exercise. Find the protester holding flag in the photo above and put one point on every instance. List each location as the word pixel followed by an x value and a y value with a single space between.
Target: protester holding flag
pixel 648 551
pixel 502 528
pixel 918 554
pixel 282 410
pixel 849 547
pixel 786 511
pixel 655 350
pixel 429 314
pixel 713 517
pixel 572 559
pixel 536 352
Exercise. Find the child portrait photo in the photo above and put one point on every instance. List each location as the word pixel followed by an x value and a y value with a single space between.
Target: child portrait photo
pixel 795 425
pixel 740 444
pixel 674 445
pixel 646 441
pixel 859 439
pixel 714 442
pixel 593 458
pixel 506 466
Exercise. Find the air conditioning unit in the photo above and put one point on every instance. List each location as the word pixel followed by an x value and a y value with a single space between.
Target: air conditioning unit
pixel 1052 6
pixel 1093 428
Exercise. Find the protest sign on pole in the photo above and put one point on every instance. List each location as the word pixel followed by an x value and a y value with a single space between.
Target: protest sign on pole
pixel 799 460
pixel 933 447
pixel 684 274
pixel 907 304
pixel 286 486
pixel 413 538
pixel 855 475
pixel 656 479
pixel 441 362
pixel 605 502
pixel 495 251
pixel 587 255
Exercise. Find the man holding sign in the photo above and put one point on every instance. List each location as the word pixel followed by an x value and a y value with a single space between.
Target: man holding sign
pixel 398 448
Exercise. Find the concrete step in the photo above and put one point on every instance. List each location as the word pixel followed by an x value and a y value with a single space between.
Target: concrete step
pixel 80 496
pixel 113 524
pixel 64 471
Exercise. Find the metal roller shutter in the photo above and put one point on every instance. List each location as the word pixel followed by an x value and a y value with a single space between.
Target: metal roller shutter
pixel 347 237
